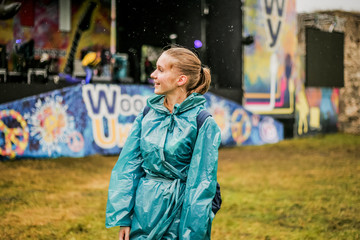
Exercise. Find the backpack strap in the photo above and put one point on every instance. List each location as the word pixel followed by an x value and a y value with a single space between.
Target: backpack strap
pixel 146 110
pixel 201 117
pixel 216 203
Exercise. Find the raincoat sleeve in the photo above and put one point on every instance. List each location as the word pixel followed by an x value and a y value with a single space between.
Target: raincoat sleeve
pixel 124 180
pixel 197 215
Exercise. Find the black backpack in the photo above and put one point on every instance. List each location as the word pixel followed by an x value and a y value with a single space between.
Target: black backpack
pixel 200 119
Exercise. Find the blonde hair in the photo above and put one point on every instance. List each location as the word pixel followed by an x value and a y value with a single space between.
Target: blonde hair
pixel 199 77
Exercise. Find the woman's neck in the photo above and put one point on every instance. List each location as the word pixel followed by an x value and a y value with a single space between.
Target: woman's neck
pixel 171 100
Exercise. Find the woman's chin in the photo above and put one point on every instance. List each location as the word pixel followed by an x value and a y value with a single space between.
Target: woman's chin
pixel 157 91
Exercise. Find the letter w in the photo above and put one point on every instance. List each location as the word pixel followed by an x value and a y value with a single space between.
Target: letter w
pixel 269 8
pixel 101 100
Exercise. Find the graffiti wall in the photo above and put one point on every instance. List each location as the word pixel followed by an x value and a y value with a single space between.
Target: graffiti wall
pixel 44 29
pixel 96 118
pixel 316 108
pixel 274 70
pixel 269 69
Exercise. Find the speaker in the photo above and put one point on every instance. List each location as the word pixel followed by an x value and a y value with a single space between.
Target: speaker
pixel 3 60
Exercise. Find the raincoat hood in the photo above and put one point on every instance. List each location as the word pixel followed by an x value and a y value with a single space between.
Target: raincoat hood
pixel 156 102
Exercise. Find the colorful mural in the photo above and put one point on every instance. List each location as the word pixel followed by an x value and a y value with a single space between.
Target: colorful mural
pixel 317 110
pixel 96 119
pixel 274 70
pixel 269 68
pixel 45 30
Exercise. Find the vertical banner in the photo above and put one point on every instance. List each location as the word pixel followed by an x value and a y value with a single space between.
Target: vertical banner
pixel 113 28
pixel 65 15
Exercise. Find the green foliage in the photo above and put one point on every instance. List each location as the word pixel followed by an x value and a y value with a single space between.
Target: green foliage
pixel 306 188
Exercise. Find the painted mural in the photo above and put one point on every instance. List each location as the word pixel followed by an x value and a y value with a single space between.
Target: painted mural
pixel 44 30
pixel 269 69
pixel 96 118
pixel 274 71
pixel 316 108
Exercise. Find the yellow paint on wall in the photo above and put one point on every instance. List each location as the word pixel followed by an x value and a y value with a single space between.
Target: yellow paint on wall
pixel 302 108
pixel 99 134
pixel 314 117
pixel 255 62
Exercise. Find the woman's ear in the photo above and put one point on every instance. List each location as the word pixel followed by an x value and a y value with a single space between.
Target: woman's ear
pixel 182 80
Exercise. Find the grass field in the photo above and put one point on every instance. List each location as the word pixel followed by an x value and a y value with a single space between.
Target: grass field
pixel 306 188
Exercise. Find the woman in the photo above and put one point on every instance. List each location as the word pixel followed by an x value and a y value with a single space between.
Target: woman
pixel 165 179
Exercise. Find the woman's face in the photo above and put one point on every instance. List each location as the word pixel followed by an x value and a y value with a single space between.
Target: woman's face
pixel 165 77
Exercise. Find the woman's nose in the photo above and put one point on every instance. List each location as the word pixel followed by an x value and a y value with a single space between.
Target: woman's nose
pixel 152 75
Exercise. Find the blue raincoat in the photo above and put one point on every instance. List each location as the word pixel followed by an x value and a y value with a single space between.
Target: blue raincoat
pixel 165 178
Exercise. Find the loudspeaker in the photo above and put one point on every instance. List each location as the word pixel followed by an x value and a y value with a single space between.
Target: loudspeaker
pixel 3 60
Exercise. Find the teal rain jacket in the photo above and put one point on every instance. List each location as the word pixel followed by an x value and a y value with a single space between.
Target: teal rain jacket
pixel 165 178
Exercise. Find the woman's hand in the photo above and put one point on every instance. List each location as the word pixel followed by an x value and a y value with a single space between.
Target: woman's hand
pixel 124 233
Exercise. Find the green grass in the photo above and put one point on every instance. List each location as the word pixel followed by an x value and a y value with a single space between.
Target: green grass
pixel 307 188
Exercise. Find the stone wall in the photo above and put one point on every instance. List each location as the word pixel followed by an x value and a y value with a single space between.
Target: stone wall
pixel 349 24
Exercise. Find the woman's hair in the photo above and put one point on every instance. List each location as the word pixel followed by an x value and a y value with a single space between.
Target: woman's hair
pixel 189 64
